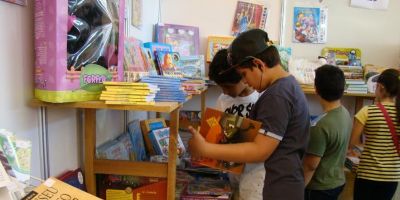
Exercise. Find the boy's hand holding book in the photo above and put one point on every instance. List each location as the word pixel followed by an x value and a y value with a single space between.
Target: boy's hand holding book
pixel 197 143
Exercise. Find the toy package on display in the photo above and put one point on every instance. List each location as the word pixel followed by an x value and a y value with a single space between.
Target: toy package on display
pixel 78 45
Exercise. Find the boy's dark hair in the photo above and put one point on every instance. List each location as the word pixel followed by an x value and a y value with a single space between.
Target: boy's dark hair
pixel 219 63
pixel 390 79
pixel 329 82
pixel 253 43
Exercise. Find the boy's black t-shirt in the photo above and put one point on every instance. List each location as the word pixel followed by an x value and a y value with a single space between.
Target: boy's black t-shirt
pixel 283 111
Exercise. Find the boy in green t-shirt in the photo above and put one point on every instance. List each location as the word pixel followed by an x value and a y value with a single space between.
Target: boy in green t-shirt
pixel 329 138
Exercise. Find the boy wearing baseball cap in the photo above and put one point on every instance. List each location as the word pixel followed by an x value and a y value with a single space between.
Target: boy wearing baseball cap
pixel 283 110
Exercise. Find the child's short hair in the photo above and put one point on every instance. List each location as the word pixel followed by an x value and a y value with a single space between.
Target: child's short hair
pixel 220 63
pixel 329 82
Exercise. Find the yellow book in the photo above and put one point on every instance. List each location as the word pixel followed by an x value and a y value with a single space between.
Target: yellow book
pixel 130 96
pixel 125 92
pixel 54 189
pixel 129 103
pixel 125 83
pixel 132 87
pixel 124 99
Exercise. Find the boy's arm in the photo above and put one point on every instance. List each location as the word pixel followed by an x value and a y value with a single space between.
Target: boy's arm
pixel 257 151
pixel 310 164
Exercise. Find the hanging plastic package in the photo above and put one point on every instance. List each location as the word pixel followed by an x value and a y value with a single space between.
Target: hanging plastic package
pixel 78 46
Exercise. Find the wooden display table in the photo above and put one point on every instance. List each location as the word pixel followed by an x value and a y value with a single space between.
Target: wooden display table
pixel 95 166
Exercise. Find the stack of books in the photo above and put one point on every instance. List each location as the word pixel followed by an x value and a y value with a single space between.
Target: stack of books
pixel 354 76
pixel 129 93
pixel 171 89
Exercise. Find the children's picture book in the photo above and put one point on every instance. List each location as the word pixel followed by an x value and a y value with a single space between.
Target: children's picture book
pixel 285 53
pixel 216 43
pixel 136 136
pixel 149 125
pixel 151 61
pixel 248 16
pixel 192 66
pixel 342 56
pixel 160 141
pixel 135 60
pixel 54 189
pixel 112 150
pixel 223 128
pixel 310 25
pixel 184 39
pixel 18 154
pixel 189 118
pixel 73 178
pixel 169 62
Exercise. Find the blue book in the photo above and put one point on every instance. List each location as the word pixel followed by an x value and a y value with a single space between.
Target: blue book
pixel 136 137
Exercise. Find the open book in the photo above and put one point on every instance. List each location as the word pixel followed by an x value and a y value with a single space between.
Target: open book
pixel 224 128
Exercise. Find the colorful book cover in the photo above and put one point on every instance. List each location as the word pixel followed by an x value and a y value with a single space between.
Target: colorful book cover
pixel 184 39
pixel 209 187
pixel 54 189
pixel 247 16
pixel 189 118
pixel 342 56
pixel 73 178
pixel 223 128
pixel 151 61
pixel 160 141
pixel 216 43
pixel 310 25
pixel 285 53
pixel 157 46
pixel 136 137
pixel 112 150
pixel 18 154
pixel 192 66
pixel 135 64
pixel 149 125
pixel 169 63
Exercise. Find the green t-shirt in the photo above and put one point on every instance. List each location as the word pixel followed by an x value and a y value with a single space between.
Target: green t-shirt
pixel 329 138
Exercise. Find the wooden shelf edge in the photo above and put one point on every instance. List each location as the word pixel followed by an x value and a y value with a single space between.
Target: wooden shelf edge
pixel 165 107
pixel 121 167
pixel 367 95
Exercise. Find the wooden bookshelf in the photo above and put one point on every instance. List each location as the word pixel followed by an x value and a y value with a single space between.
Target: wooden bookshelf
pixel 359 98
pixel 95 166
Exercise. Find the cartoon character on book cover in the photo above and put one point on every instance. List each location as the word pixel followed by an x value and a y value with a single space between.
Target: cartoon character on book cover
pixel 184 39
pixel 224 128
pixel 169 63
pixel 247 16
pixel 309 25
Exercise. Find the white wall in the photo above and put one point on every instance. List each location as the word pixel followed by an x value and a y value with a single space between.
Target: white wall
pixel 375 32
pixel 16 56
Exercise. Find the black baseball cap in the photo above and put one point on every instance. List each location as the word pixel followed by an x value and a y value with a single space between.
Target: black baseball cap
pixel 247 44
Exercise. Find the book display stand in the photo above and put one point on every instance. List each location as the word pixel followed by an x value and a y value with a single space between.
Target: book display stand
pixel 93 166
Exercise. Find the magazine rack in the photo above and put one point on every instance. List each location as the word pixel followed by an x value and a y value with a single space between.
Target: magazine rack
pixel 95 166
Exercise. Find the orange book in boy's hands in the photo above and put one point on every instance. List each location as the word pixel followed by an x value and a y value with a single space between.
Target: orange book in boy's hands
pixel 224 128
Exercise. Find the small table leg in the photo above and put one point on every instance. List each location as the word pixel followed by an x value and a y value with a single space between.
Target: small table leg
pixel 90 146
